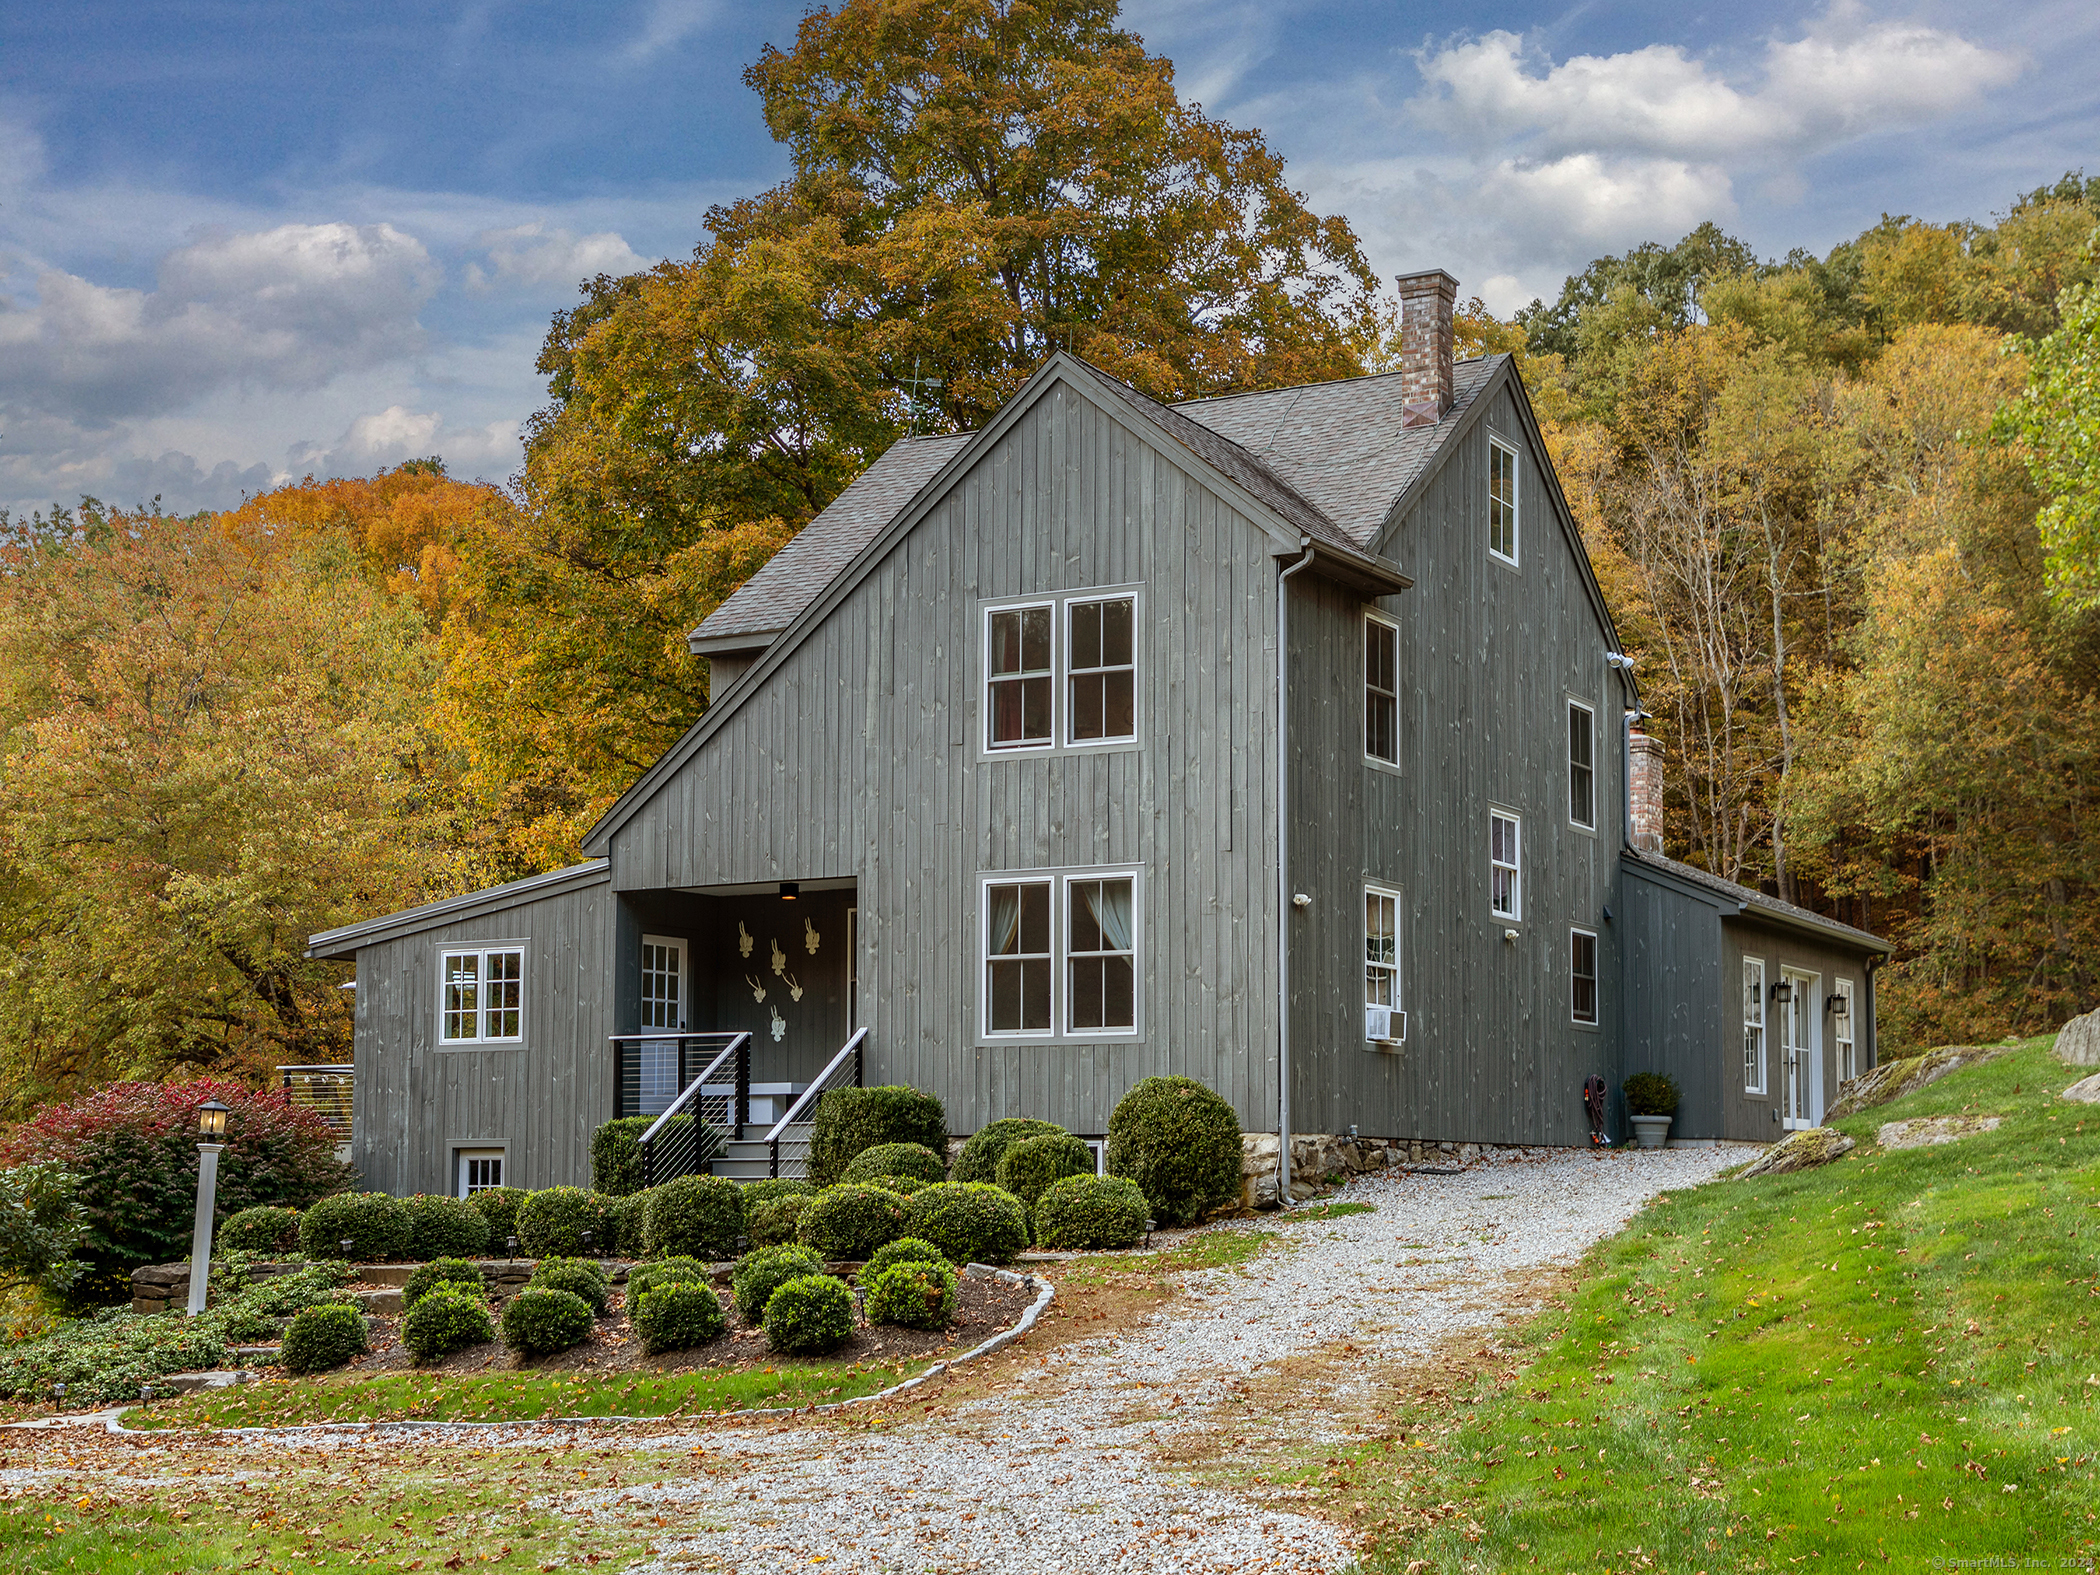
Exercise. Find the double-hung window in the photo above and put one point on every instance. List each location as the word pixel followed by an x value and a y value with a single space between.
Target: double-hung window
pixel 1061 673
pixel 1847 1034
pixel 1582 976
pixel 1060 955
pixel 1505 865
pixel 1753 1025
pixel 1381 690
pixel 1502 500
pixel 1019 681
pixel 1582 765
pixel 1382 1016
pixel 1102 669
pixel 481 996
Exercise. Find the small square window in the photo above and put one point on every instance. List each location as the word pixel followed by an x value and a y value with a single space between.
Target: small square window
pixel 480 1169
pixel 1505 866
pixel 1381 691
pixel 1582 975
pixel 481 996
pixel 1502 501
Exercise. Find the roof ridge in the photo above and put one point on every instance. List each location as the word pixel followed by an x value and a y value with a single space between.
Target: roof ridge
pixel 1323 382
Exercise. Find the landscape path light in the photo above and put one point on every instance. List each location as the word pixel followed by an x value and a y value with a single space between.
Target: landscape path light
pixel 211 1126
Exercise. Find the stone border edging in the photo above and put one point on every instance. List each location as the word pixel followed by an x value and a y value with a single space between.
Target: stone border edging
pixel 1045 1291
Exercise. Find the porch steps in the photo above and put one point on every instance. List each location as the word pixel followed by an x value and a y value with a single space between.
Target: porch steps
pixel 751 1160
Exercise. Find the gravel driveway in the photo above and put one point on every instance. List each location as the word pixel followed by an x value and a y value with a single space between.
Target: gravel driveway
pixel 1057 1474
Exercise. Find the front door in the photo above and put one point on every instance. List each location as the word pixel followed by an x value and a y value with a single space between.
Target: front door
pixel 1797 1053
pixel 663 1007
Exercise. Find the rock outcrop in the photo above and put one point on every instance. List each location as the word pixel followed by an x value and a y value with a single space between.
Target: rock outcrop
pixel 1924 1131
pixel 2078 1041
pixel 2085 1092
pixel 1800 1151
pixel 1906 1075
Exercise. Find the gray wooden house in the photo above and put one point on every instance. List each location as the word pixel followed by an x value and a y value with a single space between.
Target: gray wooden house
pixel 1278 739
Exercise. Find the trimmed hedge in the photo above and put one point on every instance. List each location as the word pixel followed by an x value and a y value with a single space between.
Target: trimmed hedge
pixel 905 1249
pixel 849 1121
pixel 616 1155
pixel 757 1192
pixel 540 1321
pixel 646 1277
pixel 903 1186
pixel 266 1230
pixel 851 1220
pixel 319 1338
pixel 427 1277
pixel 629 1214
pixel 551 1223
pixel 441 1227
pixel 678 1315
pixel 375 1225
pixel 578 1275
pixel 969 1221
pixel 980 1156
pixel 759 1274
pixel 1087 1213
pixel 694 1216
pixel 809 1316
pixel 895 1159
pixel 1027 1167
pixel 913 1296
pixel 1180 1143
pixel 499 1206
pixel 775 1221
pixel 448 1319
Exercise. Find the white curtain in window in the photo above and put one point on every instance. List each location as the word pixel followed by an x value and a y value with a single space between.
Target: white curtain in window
pixel 1109 901
pixel 1003 923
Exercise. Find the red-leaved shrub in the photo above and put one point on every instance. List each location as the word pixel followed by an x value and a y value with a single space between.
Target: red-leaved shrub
pixel 134 1147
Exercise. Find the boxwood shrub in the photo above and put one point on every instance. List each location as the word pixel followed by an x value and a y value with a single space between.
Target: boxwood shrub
pixel 551 1223
pixel 628 1215
pixel 449 1318
pixel 851 1220
pixel 668 1271
pixel 267 1231
pixel 772 1222
pixel 616 1155
pixel 895 1159
pixel 427 1277
pixel 499 1206
pixel 1086 1213
pixel 905 1249
pixel 579 1275
pixel 1647 1094
pixel 1033 1163
pixel 696 1216
pixel 375 1225
pixel 760 1273
pixel 810 1315
pixel 980 1156
pixel 765 1191
pixel 1180 1143
pixel 319 1338
pixel 848 1121
pixel 440 1227
pixel 913 1296
pixel 540 1320
pixel 678 1315
pixel 970 1221
pixel 903 1186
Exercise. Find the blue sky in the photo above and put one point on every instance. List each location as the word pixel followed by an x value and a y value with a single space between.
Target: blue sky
pixel 241 242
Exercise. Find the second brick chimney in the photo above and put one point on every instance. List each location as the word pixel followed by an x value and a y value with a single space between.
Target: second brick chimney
pixel 1644 787
pixel 1426 300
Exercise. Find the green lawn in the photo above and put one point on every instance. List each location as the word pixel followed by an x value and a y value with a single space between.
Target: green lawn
pixel 1893 1358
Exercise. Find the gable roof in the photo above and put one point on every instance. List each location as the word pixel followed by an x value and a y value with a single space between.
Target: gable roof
pixel 1750 904
pixel 341 945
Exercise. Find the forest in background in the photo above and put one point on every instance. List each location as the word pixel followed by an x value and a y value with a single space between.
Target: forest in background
pixel 1846 510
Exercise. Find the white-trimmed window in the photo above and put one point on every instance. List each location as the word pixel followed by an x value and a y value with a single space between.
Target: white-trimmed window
pixel 1846 1031
pixel 663 983
pixel 1753 1025
pixel 1381 689
pixel 1505 865
pixel 1381 947
pixel 1101 663
pixel 1060 955
pixel 1502 500
pixel 1582 976
pixel 1582 765
pixel 479 1170
pixel 1019 681
pixel 481 996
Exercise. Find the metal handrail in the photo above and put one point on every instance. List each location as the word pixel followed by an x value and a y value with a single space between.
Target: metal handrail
pixel 817 1087
pixel 694 1086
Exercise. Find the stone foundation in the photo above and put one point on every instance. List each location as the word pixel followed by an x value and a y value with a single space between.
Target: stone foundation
pixel 1319 1159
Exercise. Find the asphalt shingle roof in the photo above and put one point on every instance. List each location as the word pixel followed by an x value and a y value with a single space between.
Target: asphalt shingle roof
pixel 1752 898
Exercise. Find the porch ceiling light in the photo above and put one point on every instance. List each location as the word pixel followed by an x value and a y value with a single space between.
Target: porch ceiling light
pixel 790 890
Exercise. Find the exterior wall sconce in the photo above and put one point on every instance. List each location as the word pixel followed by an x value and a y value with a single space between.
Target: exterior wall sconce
pixel 1836 1004
pixel 1783 991
pixel 790 890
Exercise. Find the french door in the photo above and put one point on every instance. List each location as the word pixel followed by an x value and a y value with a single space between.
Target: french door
pixel 1797 1051
pixel 663 1007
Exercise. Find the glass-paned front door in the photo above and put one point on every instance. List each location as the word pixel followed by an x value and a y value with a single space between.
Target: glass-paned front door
pixel 663 1007
pixel 1797 1021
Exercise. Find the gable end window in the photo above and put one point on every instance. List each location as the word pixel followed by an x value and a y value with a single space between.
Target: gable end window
pixel 1502 500
pixel 1061 672
pixel 1582 976
pixel 1753 1025
pixel 1505 865
pixel 1582 765
pixel 1102 663
pixel 1018 677
pixel 481 996
pixel 1381 690
pixel 1060 956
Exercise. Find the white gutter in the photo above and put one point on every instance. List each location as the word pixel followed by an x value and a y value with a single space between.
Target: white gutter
pixel 1283 877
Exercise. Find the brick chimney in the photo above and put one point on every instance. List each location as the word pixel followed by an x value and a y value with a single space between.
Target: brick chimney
pixel 1644 788
pixel 1425 345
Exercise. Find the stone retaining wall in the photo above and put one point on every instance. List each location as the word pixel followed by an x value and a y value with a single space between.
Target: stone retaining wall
pixel 1320 1158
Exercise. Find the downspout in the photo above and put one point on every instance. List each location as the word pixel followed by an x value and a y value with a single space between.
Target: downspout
pixel 1283 878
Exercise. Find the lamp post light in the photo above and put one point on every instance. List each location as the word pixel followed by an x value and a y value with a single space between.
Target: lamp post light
pixel 211 1126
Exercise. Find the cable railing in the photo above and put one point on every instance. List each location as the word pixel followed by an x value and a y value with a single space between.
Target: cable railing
pixel 787 1145
pixel 700 1122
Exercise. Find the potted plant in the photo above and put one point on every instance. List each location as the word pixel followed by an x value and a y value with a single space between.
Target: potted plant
pixel 1651 1101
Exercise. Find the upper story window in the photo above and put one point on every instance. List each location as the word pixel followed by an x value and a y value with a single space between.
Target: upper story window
pixel 1502 500
pixel 1381 690
pixel 1582 765
pixel 481 999
pixel 1505 865
pixel 1753 1025
pixel 1061 672
pixel 1060 955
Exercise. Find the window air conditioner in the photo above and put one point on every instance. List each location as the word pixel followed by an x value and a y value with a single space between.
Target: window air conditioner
pixel 1385 1025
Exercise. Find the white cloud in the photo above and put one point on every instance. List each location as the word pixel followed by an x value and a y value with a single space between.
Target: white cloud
pixel 374 442
pixel 287 308
pixel 532 255
pixel 669 24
